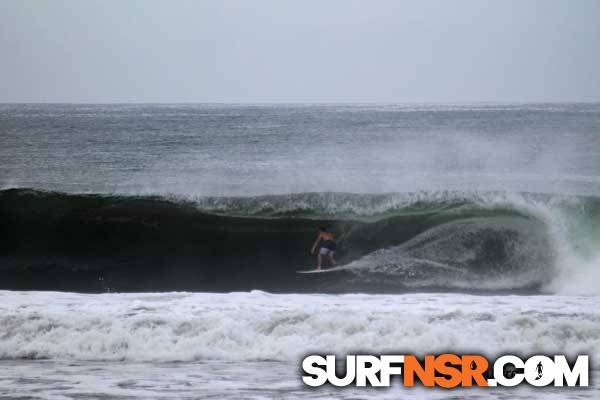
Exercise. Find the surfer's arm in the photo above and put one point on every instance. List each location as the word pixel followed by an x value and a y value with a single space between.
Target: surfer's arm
pixel 314 247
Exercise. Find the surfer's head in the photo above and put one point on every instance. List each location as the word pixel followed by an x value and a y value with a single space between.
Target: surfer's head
pixel 322 229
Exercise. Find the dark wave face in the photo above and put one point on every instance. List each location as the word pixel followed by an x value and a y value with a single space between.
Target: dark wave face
pixel 490 242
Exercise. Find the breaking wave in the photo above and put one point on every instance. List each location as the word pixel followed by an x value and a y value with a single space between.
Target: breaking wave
pixel 443 241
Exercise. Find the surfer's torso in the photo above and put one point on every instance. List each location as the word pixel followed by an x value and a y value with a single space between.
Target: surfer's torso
pixel 326 240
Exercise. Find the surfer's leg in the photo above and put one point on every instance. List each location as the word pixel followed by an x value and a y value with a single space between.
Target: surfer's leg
pixel 319 260
pixel 333 262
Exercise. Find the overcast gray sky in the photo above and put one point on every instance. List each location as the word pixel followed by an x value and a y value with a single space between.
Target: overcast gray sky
pixel 299 51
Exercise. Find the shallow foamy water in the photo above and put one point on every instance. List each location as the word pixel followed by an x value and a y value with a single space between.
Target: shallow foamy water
pixel 250 345
pixel 220 380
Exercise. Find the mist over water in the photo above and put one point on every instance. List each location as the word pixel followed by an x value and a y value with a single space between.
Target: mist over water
pixel 278 149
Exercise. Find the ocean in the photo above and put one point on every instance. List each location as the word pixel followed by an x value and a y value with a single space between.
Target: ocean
pixel 150 251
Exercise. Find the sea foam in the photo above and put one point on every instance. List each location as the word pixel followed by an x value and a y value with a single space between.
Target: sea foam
pixel 263 326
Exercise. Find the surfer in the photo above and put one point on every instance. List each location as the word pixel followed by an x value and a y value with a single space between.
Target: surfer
pixel 326 246
pixel 539 369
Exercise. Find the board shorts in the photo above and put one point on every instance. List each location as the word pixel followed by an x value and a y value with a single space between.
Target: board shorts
pixel 324 251
pixel 327 247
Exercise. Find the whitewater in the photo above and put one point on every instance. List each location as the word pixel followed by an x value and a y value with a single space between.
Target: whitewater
pixel 149 251
pixel 240 341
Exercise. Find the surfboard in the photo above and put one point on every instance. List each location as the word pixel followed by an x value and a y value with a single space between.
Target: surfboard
pixel 322 270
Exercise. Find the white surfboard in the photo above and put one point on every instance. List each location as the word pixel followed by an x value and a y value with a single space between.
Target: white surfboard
pixel 322 270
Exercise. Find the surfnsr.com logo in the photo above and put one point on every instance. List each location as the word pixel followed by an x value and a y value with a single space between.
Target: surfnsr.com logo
pixel 446 370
